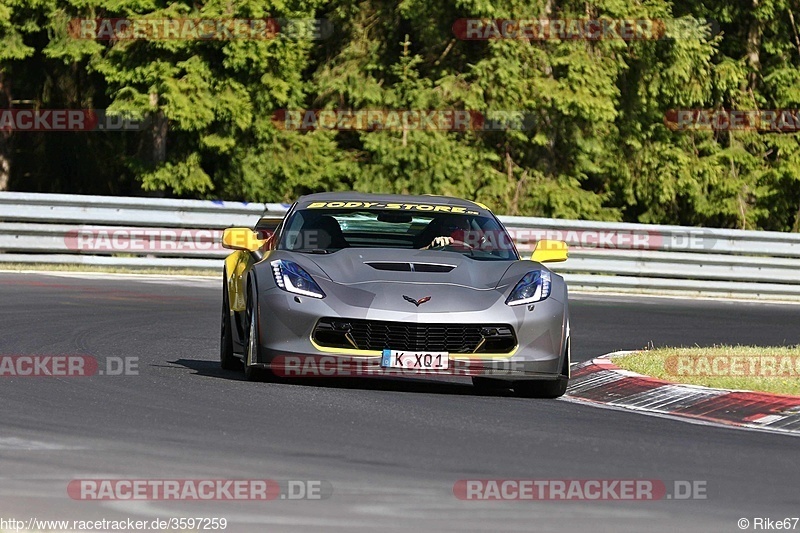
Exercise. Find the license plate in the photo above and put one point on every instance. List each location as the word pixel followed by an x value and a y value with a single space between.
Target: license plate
pixel 415 360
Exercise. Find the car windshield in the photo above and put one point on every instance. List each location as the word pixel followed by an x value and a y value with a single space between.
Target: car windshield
pixel 318 231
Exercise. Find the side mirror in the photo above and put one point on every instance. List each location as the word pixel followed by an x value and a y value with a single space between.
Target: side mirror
pixel 241 239
pixel 547 251
pixel 267 226
pixel 265 229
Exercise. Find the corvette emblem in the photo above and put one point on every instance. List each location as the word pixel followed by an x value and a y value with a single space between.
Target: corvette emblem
pixel 416 302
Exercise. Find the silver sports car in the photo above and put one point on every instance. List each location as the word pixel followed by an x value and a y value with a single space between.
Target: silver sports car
pixel 362 284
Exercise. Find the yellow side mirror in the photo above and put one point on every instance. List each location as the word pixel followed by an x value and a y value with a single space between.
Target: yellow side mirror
pixel 241 239
pixel 547 251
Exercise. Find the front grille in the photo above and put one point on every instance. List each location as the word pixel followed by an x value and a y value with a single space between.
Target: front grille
pixel 380 335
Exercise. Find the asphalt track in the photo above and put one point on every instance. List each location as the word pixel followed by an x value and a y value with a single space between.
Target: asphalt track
pixel 391 449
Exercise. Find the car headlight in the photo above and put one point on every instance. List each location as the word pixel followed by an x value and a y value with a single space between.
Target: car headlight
pixel 533 287
pixel 292 278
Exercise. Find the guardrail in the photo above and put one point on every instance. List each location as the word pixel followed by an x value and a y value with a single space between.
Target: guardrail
pixel 619 257
pixel 682 260
pixel 120 231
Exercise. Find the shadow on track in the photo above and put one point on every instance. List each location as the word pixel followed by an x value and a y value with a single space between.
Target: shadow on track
pixel 429 385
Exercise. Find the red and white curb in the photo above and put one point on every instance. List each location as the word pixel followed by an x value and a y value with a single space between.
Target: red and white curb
pixel 600 381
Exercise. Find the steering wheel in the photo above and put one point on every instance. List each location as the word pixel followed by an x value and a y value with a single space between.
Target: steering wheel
pixel 453 245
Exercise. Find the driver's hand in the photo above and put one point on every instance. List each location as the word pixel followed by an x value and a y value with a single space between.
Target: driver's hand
pixel 441 241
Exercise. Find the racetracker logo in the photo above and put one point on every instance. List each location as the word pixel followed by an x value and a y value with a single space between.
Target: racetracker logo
pixel 479 29
pixel 686 240
pixel 198 489
pixel 786 366
pixel 330 366
pixel 758 120
pixel 578 489
pixel 142 239
pixel 189 29
pixel 66 120
pixel 399 120
pixel 66 366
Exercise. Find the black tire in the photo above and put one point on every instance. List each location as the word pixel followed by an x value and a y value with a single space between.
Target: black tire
pixel 252 348
pixel 227 360
pixel 547 389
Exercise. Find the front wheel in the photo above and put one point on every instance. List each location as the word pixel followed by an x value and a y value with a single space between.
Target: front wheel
pixel 252 346
pixel 227 360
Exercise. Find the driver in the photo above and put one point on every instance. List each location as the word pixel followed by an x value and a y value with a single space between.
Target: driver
pixel 451 229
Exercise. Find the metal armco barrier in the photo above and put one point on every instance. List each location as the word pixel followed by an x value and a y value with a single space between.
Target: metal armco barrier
pixel 604 256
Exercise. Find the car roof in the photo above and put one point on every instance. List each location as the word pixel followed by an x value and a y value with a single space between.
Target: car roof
pixel 382 199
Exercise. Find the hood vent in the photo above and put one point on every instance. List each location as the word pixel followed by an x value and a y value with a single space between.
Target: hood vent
pixel 410 267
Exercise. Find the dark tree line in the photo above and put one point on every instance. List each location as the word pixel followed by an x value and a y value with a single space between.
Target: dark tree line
pixel 597 147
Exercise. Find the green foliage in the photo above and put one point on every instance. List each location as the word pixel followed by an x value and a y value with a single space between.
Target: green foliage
pixel 596 144
pixel 185 175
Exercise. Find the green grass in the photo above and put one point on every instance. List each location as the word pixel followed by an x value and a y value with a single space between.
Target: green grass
pixel 111 270
pixel 716 367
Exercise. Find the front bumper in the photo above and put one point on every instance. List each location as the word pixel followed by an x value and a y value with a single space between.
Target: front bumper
pixel 287 322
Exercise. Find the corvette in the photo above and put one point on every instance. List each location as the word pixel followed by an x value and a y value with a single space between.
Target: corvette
pixel 395 284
